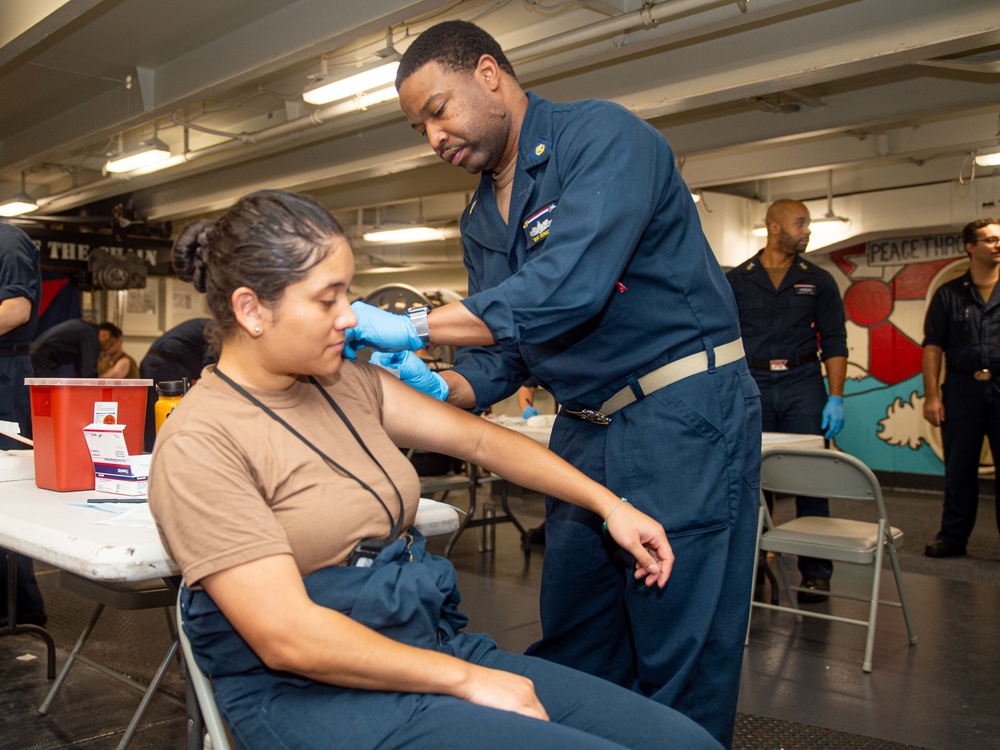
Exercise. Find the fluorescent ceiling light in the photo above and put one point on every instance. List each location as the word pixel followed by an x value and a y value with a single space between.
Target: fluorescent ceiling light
pixel 366 81
pixel 411 234
pixel 21 203
pixel 151 152
pixel 823 230
pixel 989 158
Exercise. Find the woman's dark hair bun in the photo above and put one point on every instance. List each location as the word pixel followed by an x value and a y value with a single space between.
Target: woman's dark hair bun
pixel 190 254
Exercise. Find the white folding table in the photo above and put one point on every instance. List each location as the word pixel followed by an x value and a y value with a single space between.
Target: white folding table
pixel 45 525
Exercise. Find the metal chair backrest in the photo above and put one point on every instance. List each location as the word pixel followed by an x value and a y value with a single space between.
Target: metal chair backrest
pixel 819 472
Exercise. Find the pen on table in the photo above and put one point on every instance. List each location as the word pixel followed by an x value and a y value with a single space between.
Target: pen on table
pixel 116 499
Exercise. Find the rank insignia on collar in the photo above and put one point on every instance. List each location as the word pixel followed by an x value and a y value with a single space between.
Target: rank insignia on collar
pixel 539 149
pixel 472 207
pixel 804 266
pixel 750 266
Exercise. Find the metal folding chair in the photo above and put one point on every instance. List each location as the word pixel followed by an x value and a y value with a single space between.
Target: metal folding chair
pixel 151 594
pixel 218 737
pixel 828 473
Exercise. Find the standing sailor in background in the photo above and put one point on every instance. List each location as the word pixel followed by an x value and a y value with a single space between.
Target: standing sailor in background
pixel 20 297
pixel 792 317
pixel 963 328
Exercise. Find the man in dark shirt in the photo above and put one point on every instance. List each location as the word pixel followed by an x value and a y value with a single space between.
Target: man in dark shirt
pixel 20 296
pixel 785 302
pixel 963 324
pixel 72 342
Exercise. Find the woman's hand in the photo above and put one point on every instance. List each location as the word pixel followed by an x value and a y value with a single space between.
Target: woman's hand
pixel 494 688
pixel 639 534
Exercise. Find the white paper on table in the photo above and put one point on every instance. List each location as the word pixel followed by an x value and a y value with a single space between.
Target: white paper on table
pixel 137 516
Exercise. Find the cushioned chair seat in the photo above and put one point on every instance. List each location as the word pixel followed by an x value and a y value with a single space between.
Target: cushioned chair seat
pixel 840 539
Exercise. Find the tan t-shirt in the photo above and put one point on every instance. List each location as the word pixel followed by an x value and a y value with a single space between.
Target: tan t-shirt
pixel 229 484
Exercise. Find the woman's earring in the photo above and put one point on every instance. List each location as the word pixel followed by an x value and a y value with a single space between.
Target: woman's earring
pixel 257 329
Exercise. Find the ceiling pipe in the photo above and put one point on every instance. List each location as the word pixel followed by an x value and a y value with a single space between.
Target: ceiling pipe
pixel 648 15
pixel 642 18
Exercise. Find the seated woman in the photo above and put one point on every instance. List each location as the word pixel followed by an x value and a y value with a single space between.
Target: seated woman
pixel 279 471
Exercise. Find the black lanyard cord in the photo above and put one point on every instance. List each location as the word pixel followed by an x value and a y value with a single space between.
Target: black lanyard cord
pixel 397 524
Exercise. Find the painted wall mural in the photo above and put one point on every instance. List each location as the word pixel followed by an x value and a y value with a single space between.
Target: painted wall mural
pixel 886 286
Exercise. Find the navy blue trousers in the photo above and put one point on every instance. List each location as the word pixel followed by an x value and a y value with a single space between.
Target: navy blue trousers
pixel 416 603
pixel 793 402
pixel 688 455
pixel 15 406
pixel 972 412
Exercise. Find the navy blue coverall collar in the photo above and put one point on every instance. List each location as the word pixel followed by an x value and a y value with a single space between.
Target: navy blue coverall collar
pixel 754 271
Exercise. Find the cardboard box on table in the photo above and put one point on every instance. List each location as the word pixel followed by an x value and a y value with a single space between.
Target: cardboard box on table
pixel 114 469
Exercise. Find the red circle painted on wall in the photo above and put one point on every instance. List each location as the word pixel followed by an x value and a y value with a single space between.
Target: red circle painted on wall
pixel 868 302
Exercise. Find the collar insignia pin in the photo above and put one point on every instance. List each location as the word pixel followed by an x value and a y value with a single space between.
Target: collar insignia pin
pixel 539 149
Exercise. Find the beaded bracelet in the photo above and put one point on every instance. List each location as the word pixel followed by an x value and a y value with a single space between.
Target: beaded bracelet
pixel 623 500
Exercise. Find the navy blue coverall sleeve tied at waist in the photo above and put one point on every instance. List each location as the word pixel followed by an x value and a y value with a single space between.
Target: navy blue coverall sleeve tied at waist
pixel 602 275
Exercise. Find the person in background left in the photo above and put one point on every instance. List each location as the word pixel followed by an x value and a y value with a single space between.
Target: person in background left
pixel 20 296
pixel 114 362
pixel 72 343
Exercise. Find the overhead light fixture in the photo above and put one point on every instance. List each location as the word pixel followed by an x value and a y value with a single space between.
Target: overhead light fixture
pixel 381 80
pixel 990 158
pixel 149 153
pixel 696 196
pixel 22 203
pixel 829 228
pixel 759 230
pixel 402 235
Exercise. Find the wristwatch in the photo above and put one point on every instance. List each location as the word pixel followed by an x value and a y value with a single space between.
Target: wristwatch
pixel 418 316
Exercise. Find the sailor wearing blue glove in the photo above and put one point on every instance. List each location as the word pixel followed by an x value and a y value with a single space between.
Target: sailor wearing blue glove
pixel 833 417
pixel 392 332
pixel 413 371
pixel 785 302
pixel 589 270
pixel 526 399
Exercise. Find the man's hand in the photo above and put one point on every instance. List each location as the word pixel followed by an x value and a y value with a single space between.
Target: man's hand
pixel 414 372
pixel 833 417
pixel 529 411
pixel 934 410
pixel 381 330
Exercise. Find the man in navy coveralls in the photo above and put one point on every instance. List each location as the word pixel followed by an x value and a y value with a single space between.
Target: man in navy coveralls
pixel 589 271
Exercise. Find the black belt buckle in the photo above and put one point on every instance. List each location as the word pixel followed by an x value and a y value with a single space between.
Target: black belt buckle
pixel 589 415
pixel 983 374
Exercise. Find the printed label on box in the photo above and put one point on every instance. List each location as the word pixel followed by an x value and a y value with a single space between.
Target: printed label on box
pixel 106 412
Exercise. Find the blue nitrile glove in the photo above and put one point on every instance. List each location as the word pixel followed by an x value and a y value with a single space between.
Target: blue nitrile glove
pixel 833 416
pixel 381 330
pixel 413 372
pixel 530 411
